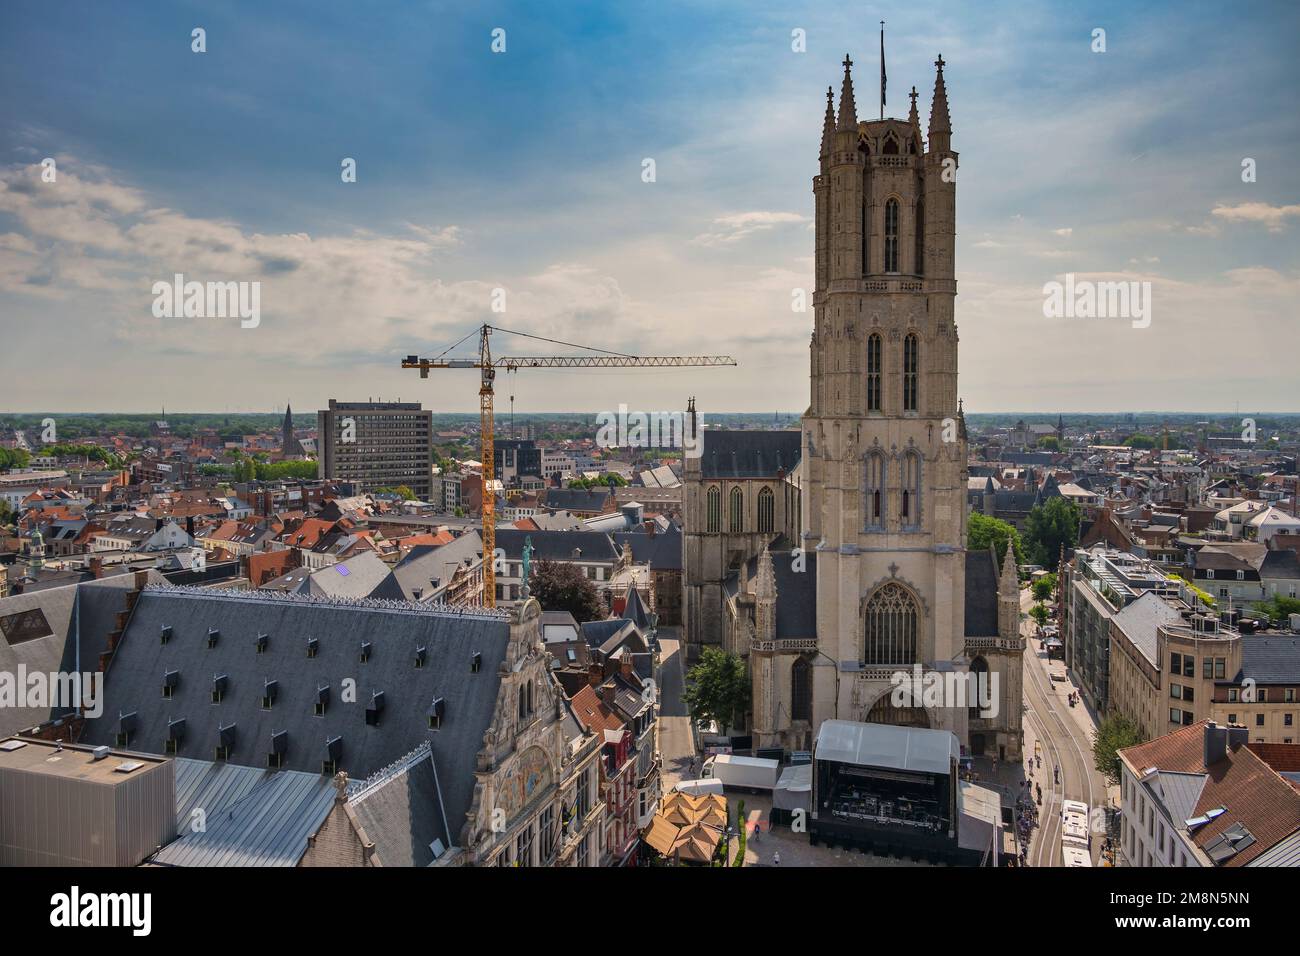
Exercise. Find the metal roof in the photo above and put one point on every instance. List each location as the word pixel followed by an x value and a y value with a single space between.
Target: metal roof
pixel 914 749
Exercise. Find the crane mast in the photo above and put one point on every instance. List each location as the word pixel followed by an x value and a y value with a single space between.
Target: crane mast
pixel 487 366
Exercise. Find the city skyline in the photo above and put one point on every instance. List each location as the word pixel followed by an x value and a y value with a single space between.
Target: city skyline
pixel 405 259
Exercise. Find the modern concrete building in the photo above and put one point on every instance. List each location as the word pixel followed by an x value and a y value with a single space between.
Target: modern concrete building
pixel 377 445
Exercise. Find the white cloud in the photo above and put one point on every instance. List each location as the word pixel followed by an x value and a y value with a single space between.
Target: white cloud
pixel 1272 217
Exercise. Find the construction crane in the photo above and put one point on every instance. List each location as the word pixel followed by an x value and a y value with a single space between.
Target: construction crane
pixel 511 363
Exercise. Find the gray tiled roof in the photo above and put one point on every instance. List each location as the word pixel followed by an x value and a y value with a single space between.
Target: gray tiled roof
pixel 1139 620
pixel 749 454
pixel 981 594
pixel 134 682
pixel 796 593
pixel 662 550
pixel 596 546
pixel 1270 660
pixel 401 814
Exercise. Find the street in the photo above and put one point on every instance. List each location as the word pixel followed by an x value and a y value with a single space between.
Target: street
pixel 1062 736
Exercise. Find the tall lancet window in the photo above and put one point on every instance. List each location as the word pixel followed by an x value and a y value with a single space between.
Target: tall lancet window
pixel 889 627
pixel 801 689
pixel 866 243
pixel 766 511
pixel 714 510
pixel 875 349
pixel 911 367
pixel 873 491
pixel 910 501
pixel 891 236
pixel 737 511
pixel 920 237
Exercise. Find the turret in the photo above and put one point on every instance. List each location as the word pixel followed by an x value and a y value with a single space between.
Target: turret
pixel 765 598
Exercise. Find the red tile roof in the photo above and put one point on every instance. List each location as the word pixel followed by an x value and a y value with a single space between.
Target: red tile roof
pixel 592 713
pixel 1251 791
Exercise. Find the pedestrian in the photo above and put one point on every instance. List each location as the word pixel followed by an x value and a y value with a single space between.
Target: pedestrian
pixel 776 858
pixel 758 828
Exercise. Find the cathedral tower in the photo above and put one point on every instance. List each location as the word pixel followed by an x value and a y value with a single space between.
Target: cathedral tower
pixel 884 442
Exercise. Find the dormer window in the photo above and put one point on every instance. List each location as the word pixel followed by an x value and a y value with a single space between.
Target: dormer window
pixel 322 700
pixel 262 641
pixel 269 692
pixel 365 651
pixel 170 681
pixel 175 734
pixel 219 685
pixel 166 634
pixel 225 741
pixel 333 754
pixel 213 636
pixel 126 724
pixel 375 709
pixel 475 662
pixel 313 645
pixel 279 748
pixel 437 710
pixel 420 654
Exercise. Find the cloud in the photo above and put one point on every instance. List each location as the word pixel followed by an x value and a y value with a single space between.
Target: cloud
pixel 733 228
pixel 1272 217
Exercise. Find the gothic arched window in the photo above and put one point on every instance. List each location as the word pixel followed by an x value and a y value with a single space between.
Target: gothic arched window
pixel 875 349
pixel 713 520
pixel 866 243
pixel 919 253
pixel 873 488
pixel 737 501
pixel 911 366
pixel 801 690
pixel 766 511
pixel 891 236
pixel 910 506
pixel 889 627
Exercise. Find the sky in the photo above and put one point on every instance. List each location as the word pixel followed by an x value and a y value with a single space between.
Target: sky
pixel 523 170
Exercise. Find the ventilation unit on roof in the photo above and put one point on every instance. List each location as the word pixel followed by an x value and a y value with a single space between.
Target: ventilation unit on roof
pixel 99 753
pixel 128 766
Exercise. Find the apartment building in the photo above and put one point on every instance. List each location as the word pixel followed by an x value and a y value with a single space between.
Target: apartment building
pixel 377 445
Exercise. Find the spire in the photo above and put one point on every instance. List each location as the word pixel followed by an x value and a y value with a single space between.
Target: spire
pixel 940 123
pixel 913 117
pixel 1010 583
pixel 961 409
pixel 848 110
pixel 828 125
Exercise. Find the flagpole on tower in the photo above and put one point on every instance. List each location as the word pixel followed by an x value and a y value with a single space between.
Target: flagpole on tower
pixel 882 69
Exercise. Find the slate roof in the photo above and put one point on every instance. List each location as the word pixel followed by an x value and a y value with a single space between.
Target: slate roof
pixel 796 593
pixel 597 546
pixel 662 550
pixel 981 594
pixel 1276 564
pixel 428 568
pixel 749 454
pixel 1270 659
pixel 401 814
pixel 450 636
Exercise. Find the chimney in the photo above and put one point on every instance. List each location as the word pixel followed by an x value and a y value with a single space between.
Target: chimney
pixel 1238 737
pixel 595 674
pixel 625 666
pixel 607 692
pixel 97 567
pixel 1216 743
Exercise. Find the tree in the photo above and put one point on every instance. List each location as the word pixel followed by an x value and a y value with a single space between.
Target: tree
pixel 1050 527
pixel 563 587
pixel 1115 733
pixel 1045 587
pixel 1278 607
pixel 402 491
pixel 983 530
pixel 1049 443
pixel 719 688
pixel 1138 440
pixel 1039 613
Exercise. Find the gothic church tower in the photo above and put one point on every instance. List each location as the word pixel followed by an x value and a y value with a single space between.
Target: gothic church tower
pixel 884 439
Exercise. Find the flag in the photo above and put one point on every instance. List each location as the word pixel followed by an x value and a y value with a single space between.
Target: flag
pixel 883 78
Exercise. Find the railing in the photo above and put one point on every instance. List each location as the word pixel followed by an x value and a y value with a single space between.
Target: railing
pixel 788 645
